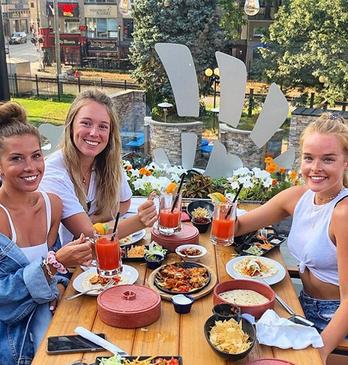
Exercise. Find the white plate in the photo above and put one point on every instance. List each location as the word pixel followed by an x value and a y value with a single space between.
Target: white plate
pixel 133 238
pixel 81 283
pixel 273 279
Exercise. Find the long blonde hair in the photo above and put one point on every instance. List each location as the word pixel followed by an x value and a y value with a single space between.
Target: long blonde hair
pixel 13 122
pixel 107 164
pixel 330 123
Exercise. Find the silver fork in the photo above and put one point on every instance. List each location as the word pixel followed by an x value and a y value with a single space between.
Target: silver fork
pixel 109 284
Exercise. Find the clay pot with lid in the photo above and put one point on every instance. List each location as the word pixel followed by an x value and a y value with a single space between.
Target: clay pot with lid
pixel 129 306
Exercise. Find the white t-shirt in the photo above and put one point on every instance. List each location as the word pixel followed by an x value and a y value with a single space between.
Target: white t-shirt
pixel 57 180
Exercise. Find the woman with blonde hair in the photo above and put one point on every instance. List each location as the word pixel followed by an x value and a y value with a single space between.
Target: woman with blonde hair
pixel 87 173
pixel 29 220
pixel 318 237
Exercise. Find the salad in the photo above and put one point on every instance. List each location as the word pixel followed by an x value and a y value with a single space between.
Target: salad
pixel 118 360
pixel 153 250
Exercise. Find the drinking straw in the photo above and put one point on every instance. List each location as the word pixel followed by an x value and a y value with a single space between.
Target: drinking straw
pixel 182 178
pixel 234 200
pixel 115 226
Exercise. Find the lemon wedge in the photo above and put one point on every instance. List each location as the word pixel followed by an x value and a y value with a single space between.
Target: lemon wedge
pixel 171 188
pixel 101 228
pixel 217 198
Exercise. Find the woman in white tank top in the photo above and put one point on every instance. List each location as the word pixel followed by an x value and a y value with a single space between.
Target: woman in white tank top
pixel 318 238
pixel 29 223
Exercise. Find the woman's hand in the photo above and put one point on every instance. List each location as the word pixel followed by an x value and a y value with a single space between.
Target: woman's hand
pixel 147 212
pixel 77 252
pixel 54 303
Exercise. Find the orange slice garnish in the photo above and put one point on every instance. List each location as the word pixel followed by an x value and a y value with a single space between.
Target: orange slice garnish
pixel 217 198
pixel 171 188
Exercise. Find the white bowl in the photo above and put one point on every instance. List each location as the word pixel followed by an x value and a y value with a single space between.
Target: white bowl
pixel 202 250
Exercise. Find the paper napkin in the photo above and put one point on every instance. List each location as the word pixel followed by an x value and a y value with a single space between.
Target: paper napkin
pixel 272 330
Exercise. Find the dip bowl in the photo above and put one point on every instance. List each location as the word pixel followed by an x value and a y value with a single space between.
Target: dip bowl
pixel 255 310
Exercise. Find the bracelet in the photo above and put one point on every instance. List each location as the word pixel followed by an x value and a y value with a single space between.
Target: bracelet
pixel 47 267
pixel 51 259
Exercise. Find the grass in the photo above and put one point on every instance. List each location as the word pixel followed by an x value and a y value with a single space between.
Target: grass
pixel 40 111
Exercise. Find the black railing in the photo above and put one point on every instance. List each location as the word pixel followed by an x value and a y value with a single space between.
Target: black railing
pixel 48 86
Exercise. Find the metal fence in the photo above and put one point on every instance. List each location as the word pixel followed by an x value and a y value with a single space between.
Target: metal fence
pixel 55 86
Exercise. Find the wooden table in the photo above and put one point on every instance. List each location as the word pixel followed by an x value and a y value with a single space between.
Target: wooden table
pixel 172 334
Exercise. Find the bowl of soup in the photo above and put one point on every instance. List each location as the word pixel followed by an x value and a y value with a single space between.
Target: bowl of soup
pixel 251 296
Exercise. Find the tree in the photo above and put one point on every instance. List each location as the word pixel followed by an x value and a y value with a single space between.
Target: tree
pixel 189 22
pixel 232 18
pixel 309 39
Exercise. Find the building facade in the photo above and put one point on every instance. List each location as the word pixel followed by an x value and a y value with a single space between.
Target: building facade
pixel 16 16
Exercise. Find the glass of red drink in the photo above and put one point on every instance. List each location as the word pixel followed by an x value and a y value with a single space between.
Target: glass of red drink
pixel 108 251
pixel 169 218
pixel 222 229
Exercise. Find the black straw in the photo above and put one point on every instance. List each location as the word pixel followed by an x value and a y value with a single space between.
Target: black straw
pixel 234 200
pixel 115 226
pixel 182 178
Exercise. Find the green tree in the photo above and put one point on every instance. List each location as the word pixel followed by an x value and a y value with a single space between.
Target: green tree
pixel 189 22
pixel 309 39
pixel 232 18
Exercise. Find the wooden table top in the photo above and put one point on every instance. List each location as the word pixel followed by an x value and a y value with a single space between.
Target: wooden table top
pixel 172 334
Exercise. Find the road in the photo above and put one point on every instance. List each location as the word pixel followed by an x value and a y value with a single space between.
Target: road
pixel 26 51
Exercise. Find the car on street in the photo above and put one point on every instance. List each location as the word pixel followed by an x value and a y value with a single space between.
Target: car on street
pixel 18 37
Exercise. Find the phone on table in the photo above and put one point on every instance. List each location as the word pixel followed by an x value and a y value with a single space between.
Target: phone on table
pixel 71 343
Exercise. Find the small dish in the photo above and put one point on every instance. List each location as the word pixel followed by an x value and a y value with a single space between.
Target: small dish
pixel 200 204
pixel 202 224
pixel 191 252
pixel 182 303
pixel 226 311
pixel 155 261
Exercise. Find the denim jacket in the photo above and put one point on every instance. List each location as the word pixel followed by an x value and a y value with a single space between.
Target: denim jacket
pixel 25 294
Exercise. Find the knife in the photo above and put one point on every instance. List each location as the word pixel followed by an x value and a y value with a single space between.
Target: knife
pixel 85 333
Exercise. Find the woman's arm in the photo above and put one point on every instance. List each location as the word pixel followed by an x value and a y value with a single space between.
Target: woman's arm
pixel 276 209
pixel 337 328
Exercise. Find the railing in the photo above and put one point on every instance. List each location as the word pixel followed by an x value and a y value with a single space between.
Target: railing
pixel 48 86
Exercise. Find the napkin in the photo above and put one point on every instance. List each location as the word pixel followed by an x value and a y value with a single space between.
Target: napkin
pixel 272 330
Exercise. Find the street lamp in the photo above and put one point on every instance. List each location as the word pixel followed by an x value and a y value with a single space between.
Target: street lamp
pixel 165 106
pixel 214 75
pixel 251 7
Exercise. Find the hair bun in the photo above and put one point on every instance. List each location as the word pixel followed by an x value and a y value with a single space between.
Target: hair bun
pixel 11 112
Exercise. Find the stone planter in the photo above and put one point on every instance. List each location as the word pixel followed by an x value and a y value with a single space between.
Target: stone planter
pixel 168 137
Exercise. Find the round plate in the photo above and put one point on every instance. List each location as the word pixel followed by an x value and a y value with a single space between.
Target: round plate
pixel 275 277
pixel 132 238
pixel 81 283
pixel 270 362
pixel 184 265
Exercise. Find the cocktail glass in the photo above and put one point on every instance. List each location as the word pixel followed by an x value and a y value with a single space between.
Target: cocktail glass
pixel 108 251
pixel 222 229
pixel 169 219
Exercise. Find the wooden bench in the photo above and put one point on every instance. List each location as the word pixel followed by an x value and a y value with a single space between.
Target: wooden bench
pixel 342 348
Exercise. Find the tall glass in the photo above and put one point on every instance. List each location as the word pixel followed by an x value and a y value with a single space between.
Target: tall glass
pixel 108 251
pixel 169 220
pixel 222 229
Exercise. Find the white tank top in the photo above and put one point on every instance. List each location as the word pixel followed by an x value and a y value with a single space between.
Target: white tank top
pixel 37 251
pixel 309 241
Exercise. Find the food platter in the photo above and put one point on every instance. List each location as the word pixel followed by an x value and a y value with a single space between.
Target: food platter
pixel 132 238
pixel 154 359
pixel 255 246
pixel 196 295
pixel 133 253
pixel 82 282
pixel 255 267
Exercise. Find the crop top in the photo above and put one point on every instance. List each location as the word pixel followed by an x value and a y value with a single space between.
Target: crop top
pixel 309 241
pixel 37 251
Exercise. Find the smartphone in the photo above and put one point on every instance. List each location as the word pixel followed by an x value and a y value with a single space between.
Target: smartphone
pixel 71 343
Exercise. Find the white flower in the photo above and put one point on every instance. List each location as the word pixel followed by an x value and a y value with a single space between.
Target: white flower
pixel 241 171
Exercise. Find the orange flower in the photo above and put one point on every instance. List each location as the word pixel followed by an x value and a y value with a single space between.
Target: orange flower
pixel 274 182
pixel 272 167
pixel 293 175
pixel 282 170
pixel 129 167
pixel 144 171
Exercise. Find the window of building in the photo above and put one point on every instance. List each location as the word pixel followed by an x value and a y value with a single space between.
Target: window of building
pixel 32 5
pixel 101 28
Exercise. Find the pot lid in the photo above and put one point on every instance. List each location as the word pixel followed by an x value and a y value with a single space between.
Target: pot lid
pixel 188 232
pixel 128 299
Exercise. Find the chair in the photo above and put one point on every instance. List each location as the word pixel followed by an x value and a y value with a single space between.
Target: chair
pixel 136 142
pixel 53 133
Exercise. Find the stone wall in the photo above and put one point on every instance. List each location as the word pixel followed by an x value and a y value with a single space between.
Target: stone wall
pixel 130 108
pixel 301 117
pixel 168 137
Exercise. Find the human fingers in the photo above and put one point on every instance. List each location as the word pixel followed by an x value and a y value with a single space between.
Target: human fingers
pixel 152 196
pixel 53 306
